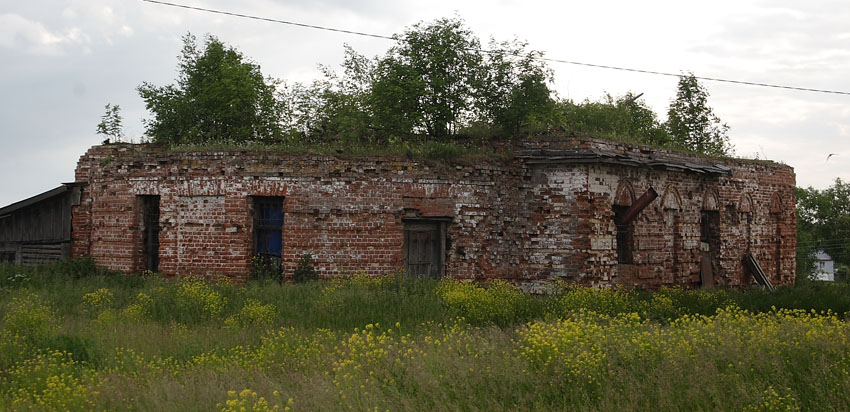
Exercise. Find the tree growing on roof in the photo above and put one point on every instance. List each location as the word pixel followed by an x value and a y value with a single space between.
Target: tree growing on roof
pixel 335 107
pixel 220 97
pixel 428 82
pixel 110 124
pixel 436 83
pixel 626 117
pixel 515 91
pixel 692 123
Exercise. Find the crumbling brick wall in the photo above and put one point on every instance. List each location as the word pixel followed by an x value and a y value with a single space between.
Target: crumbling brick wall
pixel 348 214
pixel 507 218
pixel 753 204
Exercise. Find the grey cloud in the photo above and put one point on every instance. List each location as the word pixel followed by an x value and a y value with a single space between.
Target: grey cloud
pixel 45 125
pixel 800 38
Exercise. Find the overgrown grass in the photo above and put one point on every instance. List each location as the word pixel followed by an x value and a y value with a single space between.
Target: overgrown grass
pixel 77 337
pixel 458 151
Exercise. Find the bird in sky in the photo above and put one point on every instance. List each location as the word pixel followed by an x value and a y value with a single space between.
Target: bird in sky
pixel 830 155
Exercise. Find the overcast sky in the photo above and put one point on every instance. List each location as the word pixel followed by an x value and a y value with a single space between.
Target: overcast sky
pixel 62 61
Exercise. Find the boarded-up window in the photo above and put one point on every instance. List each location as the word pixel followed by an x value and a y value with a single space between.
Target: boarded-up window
pixel 201 230
pixel 149 207
pixel 424 248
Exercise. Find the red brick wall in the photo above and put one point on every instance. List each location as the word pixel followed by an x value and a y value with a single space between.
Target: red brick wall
pixel 508 219
pixel 755 203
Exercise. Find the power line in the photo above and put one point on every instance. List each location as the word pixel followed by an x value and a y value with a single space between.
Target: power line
pixel 713 79
pixel 291 23
pixel 826 242
pixel 836 242
pixel 598 66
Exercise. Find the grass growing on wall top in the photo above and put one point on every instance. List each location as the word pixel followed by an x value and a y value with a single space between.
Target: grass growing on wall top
pixel 453 152
pixel 102 341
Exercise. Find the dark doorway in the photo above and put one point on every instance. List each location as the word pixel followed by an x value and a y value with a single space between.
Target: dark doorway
pixel 424 248
pixel 150 231
pixel 709 247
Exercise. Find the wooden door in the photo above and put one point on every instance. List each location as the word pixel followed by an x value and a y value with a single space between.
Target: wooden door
pixel 423 249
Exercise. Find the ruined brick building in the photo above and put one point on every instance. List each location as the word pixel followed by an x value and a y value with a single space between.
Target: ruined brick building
pixel 584 210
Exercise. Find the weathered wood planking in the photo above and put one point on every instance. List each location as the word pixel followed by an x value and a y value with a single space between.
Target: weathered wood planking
pixel 38 229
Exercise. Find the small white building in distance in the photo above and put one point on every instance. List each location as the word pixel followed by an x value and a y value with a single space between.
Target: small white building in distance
pixel 824 267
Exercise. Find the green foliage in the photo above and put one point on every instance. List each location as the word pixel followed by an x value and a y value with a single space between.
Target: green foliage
pixel 733 349
pixel 609 301
pixel 97 301
pixel 13 348
pixel 691 121
pixel 428 82
pixel 304 270
pixel 12 275
pixel 569 350
pixel 139 310
pixel 265 267
pixel 332 109
pixel 78 348
pixel 623 118
pixel 392 343
pixel 436 84
pixel 807 244
pixel 515 93
pixel 197 297
pixel 79 268
pixel 439 150
pixel 499 302
pixel 248 401
pixel 253 313
pixel 110 123
pixel 823 223
pixel 774 401
pixel 335 108
pixel 27 316
pixel 219 97
pixel 52 381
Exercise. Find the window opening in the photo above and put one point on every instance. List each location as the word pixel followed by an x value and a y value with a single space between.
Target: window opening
pixel 150 232
pixel 268 237
pixel 673 223
pixel 625 235
pixel 747 220
pixel 709 246
pixel 777 245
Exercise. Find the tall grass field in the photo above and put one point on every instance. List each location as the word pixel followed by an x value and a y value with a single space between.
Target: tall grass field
pixel 75 337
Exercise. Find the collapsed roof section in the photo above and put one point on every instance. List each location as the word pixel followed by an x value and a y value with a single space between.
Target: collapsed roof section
pixel 655 160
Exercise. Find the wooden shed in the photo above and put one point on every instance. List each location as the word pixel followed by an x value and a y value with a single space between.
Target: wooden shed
pixel 38 229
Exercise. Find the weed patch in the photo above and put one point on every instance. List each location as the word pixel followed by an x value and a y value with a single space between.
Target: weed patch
pixel 105 342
